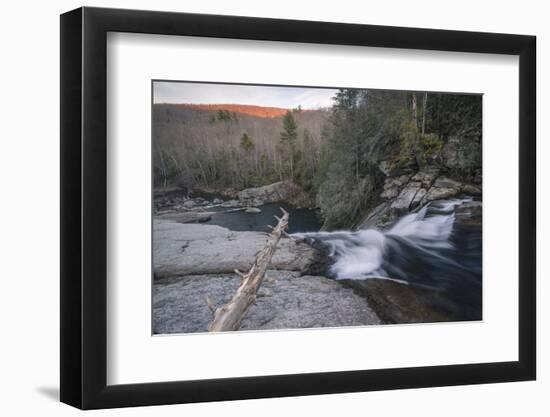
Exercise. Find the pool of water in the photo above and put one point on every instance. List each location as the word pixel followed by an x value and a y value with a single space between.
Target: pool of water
pixel 300 220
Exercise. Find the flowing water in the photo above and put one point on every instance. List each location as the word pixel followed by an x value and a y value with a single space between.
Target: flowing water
pixel 427 249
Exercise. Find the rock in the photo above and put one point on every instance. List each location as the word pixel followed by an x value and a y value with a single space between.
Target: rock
pixel 253 210
pixel 394 302
pixel 189 204
pixel 288 301
pixel 377 218
pixel 419 196
pixel 185 249
pixel 426 176
pixel 469 214
pixel 214 192
pixel 217 201
pixel 280 191
pixel 471 189
pixel 188 216
pixel 443 188
pixel 462 156
pixel 389 193
pixel 231 203
pixel 444 182
pixel 385 167
pixel 393 185
pixel 402 203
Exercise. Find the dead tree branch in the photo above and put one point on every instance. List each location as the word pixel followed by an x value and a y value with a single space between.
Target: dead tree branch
pixel 229 316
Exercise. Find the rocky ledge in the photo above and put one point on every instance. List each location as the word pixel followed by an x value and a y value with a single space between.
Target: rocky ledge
pixel 280 191
pixel 286 300
pixel 408 192
pixel 183 249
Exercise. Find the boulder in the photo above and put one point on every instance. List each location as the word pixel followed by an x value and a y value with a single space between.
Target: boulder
pixel 253 210
pixel 280 191
pixel 443 188
pixel 285 301
pixel 185 249
pixel 426 176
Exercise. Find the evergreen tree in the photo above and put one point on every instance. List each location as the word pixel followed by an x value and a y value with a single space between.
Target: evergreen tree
pixel 289 134
pixel 247 144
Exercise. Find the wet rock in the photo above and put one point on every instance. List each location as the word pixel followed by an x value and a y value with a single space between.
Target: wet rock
pixel 287 301
pixel 184 249
pixel 280 191
pixel 469 213
pixel 379 217
pixel 394 302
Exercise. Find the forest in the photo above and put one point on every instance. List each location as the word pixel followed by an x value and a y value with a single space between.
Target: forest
pixel 338 155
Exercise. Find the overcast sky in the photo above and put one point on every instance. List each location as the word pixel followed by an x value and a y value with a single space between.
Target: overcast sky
pixel 200 93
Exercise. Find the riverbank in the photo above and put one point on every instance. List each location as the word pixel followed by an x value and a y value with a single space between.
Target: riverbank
pixel 195 261
pixel 200 241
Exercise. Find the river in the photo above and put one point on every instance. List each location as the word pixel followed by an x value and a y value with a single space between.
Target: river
pixel 300 220
pixel 433 251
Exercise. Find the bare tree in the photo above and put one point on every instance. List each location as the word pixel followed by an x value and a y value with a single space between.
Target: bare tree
pixel 424 107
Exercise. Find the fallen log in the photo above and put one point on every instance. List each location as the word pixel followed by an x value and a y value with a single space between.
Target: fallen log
pixel 229 316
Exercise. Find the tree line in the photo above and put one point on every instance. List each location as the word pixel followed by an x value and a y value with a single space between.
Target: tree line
pixel 338 155
pixel 221 149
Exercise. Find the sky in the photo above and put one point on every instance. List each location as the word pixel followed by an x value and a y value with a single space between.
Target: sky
pixel 202 93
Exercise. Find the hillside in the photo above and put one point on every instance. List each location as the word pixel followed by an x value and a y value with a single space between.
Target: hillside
pixel 215 146
pixel 248 109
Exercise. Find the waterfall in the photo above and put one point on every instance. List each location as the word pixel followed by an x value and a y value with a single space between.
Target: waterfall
pixel 425 248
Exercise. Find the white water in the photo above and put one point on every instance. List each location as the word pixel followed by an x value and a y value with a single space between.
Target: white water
pixel 365 254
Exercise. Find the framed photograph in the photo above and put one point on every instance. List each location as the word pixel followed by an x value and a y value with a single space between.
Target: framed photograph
pixel 255 208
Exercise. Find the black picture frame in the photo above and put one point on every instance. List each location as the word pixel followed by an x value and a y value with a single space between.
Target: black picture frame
pixel 84 207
